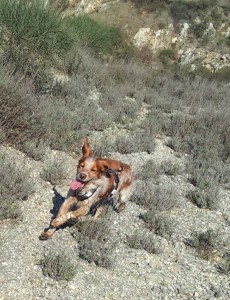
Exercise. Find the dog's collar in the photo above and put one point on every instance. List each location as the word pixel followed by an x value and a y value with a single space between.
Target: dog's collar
pixel 86 195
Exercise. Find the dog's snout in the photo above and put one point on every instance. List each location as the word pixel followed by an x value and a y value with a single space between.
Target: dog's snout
pixel 82 176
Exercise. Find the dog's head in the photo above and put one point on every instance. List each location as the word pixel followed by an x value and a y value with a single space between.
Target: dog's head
pixel 92 167
pixel 89 166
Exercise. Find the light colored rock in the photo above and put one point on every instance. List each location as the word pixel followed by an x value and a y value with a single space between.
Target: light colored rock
pixel 155 40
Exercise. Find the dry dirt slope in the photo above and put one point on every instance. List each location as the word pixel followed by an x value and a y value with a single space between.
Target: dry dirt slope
pixel 175 272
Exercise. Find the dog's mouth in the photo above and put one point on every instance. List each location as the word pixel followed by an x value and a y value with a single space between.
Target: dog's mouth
pixel 76 184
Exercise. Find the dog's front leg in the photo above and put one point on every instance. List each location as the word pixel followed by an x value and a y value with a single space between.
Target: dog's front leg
pixel 65 207
pixel 82 210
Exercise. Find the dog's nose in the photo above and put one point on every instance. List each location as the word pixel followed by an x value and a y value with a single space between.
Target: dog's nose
pixel 82 176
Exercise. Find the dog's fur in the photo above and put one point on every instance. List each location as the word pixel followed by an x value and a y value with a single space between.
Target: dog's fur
pixel 93 172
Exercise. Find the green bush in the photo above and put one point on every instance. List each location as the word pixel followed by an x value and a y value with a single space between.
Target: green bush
pixel 102 38
pixel 30 33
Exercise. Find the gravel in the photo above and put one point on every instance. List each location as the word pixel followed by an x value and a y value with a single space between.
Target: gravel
pixel 176 272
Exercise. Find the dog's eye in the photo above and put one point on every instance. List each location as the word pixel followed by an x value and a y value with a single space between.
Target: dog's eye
pixel 93 170
pixel 82 165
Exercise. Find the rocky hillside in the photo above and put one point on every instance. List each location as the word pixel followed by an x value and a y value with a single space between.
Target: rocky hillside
pixel 167 269
pixel 64 77
pixel 194 33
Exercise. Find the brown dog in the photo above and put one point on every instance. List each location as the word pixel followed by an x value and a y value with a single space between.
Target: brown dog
pixel 96 180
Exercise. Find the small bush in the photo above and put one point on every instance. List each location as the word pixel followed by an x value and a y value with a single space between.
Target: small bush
pixel 54 171
pixel 34 149
pixel 159 224
pixel 204 242
pixel 207 199
pixel 144 193
pixel 150 170
pixel 93 241
pixel 140 241
pixel 14 186
pixel 157 201
pixel 94 251
pixel 170 167
pixel 57 267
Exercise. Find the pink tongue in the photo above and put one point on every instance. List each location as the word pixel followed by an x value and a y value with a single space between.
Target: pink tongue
pixel 75 184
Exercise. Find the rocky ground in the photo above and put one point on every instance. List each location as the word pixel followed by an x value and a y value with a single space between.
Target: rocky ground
pixel 176 271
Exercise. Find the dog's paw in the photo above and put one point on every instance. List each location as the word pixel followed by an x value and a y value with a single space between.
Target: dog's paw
pixel 57 222
pixel 120 207
pixel 46 234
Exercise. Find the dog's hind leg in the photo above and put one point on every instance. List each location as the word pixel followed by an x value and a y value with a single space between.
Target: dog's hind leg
pixel 124 196
pixel 100 210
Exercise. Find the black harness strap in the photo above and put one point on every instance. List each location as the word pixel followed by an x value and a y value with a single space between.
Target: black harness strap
pixel 105 200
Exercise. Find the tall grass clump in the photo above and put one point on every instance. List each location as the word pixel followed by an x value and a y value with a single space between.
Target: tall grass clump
pixel 30 33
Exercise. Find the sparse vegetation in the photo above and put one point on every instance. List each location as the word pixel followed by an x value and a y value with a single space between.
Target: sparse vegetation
pixel 15 186
pixel 224 266
pixel 63 77
pixel 57 266
pixel 204 242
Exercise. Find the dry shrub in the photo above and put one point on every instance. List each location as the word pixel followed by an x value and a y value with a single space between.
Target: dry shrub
pixel 204 242
pixel 94 241
pixel 146 242
pixel 15 185
pixel 57 266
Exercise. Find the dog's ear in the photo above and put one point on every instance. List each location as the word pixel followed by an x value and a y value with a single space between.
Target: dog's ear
pixel 86 149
